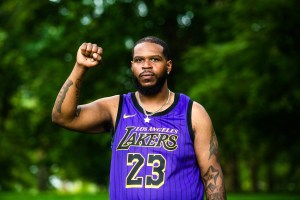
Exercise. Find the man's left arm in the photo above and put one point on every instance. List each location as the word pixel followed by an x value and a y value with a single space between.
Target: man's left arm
pixel 207 152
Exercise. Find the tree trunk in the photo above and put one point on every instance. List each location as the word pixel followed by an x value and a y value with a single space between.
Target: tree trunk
pixel 42 176
pixel 233 177
pixel 254 179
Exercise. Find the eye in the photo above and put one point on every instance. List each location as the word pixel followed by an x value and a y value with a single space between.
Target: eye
pixel 154 59
pixel 137 60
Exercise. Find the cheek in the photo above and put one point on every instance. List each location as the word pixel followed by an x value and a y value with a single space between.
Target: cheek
pixel 164 70
pixel 135 71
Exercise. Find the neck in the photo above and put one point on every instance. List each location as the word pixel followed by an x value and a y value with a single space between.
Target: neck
pixel 154 102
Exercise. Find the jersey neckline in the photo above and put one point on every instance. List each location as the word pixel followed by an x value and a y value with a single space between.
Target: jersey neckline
pixel 140 109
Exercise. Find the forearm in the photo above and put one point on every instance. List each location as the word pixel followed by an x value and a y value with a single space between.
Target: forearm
pixel 66 104
pixel 214 183
pixel 207 152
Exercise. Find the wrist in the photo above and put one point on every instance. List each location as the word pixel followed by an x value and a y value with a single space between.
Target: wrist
pixel 80 68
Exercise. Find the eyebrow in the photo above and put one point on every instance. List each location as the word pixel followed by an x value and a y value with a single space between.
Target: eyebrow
pixel 148 56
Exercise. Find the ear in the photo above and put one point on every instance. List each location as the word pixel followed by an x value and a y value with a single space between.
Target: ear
pixel 169 66
pixel 131 65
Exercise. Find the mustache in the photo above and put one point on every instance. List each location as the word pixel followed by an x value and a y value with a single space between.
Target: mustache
pixel 146 73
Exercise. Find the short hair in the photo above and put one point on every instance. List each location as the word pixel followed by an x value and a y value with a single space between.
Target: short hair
pixel 156 40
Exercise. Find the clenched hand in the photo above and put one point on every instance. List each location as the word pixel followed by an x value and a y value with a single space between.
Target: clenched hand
pixel 89 55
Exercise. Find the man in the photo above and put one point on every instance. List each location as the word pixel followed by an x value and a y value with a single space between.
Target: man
pixel 164 145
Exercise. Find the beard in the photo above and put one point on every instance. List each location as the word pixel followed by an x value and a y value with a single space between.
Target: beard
pixel 153 89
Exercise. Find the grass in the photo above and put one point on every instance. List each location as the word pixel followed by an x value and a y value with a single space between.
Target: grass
pixel 52 196
pixel 104 196
pixel 263 196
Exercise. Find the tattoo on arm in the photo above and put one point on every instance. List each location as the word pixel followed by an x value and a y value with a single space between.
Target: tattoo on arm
pixel 62 95
pixel 214 191
pixel 210 178
pixel 213 148
pixel 213 178
pixel 78 83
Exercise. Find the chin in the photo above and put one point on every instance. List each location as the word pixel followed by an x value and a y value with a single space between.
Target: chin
pixel 150 88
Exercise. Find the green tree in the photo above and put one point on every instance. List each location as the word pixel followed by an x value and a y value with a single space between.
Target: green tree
pixel 239 58
pixel 247 79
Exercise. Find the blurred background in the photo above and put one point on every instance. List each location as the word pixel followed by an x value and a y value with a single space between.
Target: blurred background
pixel 240 59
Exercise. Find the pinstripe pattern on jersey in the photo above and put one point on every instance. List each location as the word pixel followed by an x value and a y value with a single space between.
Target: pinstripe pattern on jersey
pixel 154 160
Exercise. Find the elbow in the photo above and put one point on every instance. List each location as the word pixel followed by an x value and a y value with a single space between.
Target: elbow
pixel 60 119
pixel 57 119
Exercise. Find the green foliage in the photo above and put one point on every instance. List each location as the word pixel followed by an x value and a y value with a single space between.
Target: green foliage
pixel 104 196
pixel 240 58
pixel 53 196
pixel 249 83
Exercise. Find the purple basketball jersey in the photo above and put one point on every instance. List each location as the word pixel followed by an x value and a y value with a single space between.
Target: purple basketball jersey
pixel 155 159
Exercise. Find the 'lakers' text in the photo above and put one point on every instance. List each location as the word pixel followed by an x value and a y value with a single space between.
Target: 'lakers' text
pixel 149 137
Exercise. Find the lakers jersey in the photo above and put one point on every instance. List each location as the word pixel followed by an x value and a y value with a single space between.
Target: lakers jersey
pixel 154 159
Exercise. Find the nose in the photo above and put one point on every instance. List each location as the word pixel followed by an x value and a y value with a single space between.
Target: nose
pixel 147 64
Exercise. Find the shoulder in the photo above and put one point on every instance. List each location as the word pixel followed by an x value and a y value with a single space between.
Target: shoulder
pixel 111 100
pixel 197 109
pixel 201 120
pixel 110 103
pixel 106 106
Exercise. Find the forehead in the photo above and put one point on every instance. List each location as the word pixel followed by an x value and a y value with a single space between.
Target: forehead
pixel 147 49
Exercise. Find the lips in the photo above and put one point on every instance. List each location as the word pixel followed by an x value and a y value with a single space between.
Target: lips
pixel 146 74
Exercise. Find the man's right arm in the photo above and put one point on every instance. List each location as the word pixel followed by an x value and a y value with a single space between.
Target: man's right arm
pixel 92 117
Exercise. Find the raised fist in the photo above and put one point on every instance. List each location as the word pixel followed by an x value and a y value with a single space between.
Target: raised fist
pixel 89 55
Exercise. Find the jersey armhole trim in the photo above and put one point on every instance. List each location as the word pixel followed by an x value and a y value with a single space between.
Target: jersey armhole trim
pixel 118 114
pixel 189 120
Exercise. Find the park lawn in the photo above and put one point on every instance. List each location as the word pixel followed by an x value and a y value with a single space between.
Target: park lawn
pixel 104 196
pixel 263 196
pixel 52 196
